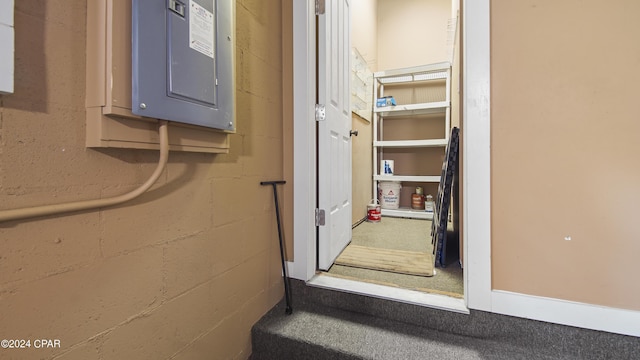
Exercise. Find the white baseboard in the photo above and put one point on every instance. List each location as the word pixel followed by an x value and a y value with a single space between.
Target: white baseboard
pixel 588 316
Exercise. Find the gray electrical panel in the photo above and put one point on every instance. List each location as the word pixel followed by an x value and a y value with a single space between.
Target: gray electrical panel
pixel 183 61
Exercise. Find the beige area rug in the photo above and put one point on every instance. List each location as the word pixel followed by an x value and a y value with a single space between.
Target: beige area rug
pixel 391 284
pixel 407 235
pixel 396 261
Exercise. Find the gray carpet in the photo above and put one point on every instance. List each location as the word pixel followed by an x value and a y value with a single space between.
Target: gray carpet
pixel 402 234
pixel 319 333
pixel 335 325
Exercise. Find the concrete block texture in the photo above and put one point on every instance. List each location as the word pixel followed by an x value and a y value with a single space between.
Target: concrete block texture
pixel 183 271
pixel 48 74
pixel 216 342
pixel 258 22
pixel 36 250
pixel 261 112
pixel 84 302
pixel 85 351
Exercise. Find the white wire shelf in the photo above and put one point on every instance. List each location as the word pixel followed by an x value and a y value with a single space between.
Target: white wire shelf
pixel 408 178
pixel 439 107
pixel 411 143
pixel 437 67
pixel 407 213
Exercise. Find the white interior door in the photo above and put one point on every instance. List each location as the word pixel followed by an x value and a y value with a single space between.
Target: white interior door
pixel 334 143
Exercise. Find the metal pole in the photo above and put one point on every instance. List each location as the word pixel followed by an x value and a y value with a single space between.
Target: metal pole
pixel 287 290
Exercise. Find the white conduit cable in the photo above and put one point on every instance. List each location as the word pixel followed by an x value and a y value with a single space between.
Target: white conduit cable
pixel 30 212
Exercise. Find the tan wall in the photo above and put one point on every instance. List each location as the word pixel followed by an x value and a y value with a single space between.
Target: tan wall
pixel 364 30
pixel 564 145
pixel 188 267
pixel 361 147
pixel 363 38
pixel 412 32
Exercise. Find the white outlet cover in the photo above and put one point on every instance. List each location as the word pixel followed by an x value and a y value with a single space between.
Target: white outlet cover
pixel 7 43
pixel 6 12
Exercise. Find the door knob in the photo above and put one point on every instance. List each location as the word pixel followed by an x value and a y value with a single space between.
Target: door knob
pixel 353 132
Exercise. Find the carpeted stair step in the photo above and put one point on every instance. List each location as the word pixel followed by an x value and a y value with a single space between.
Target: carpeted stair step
pixel 328 324
pixel 334 334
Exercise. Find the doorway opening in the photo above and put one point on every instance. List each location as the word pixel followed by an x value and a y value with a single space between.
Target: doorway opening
pixel 380 253
pixel 475 228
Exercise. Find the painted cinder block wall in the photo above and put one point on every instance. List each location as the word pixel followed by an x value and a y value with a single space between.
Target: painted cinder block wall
pixel 184 271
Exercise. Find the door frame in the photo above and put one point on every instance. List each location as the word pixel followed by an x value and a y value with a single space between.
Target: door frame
pixel 476 205
pixel 475 132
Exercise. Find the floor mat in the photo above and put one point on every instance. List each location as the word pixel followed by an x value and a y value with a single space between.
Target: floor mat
pixel 396 261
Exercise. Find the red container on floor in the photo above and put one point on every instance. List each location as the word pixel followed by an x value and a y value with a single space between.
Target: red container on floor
pixel 374 214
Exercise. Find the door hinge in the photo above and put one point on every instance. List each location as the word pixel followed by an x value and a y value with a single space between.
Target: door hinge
pixel 319 7
pixel 319 217
pixel 320 112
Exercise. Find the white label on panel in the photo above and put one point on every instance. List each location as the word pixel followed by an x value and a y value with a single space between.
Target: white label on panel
pixel 201 25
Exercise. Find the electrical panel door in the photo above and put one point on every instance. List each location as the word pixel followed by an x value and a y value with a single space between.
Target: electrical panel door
pixel 183 61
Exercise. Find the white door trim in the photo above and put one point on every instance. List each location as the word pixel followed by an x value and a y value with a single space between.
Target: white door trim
pixel 304 141
pixel 476 149
pixel 476 154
